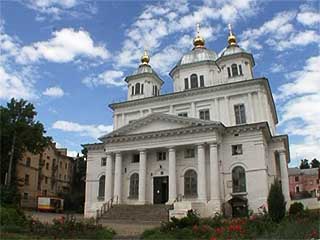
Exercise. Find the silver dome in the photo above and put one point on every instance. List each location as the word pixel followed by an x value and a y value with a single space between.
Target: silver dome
pixel 198 55
pixel 143 68
pixel 230 50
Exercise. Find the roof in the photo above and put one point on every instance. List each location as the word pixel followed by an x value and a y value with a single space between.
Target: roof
pixel 159 116
pixel 143 69
pixel 197 55
pixel 298 171
pixel 230 50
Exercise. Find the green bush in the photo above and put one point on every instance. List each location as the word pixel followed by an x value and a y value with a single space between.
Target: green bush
pixel 190 220
pixel 9 196
pixel 276 203
pixel 12 216
pixel 296 208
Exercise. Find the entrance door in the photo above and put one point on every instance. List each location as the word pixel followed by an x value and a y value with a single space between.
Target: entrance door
pixel 160 190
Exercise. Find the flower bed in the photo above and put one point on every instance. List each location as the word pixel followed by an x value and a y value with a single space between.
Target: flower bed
pixel 302 226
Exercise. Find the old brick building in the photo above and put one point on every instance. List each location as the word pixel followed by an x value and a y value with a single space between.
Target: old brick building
pixel 44 174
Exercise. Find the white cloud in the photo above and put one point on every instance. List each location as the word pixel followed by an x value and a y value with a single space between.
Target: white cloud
pixel 93 131
pixel 54 92
pixel 299 108
pixel 276 68
pixel 309 18
pixel 64 46
pixel 14 84
pixel 107 78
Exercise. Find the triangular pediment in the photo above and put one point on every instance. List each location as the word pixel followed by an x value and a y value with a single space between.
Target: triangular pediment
pixel 157 122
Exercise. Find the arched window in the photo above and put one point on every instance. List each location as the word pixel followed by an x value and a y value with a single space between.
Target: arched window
pixel 134 185
pixel 190 183
pixel 194 80
pixel 238 180
pixel 234 69
pixel 102 183
pixel 137 88
pixel 132 90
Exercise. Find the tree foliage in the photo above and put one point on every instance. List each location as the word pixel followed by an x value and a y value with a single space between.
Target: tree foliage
pixel 315 163
pixel 276 202
pixel 304 164
pixel 19 132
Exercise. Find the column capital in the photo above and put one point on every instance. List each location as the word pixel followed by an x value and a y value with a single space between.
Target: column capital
pixel 143 150
pixel 213 144
pixel 171 149
pixel 109 154
pixel 200 145
pixel 118 154
pixel 281 151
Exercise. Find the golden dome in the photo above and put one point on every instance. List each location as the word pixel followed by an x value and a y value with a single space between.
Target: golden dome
pixel 232 40
pixel 198 41
pixel 145 59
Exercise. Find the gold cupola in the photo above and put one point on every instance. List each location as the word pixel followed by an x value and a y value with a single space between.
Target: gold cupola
pixel 145 59
pixel 232 40
pixel 198 41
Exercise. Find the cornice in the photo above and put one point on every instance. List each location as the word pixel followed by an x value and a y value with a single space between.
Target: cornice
pixel 93 146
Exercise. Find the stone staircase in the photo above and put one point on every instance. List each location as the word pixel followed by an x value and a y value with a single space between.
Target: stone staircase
pixel 152 214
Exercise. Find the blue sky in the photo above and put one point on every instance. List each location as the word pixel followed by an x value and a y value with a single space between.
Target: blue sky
pixel 70 57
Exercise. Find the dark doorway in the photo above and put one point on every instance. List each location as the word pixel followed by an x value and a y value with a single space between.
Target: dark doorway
pixel 239 206
pixel 160 190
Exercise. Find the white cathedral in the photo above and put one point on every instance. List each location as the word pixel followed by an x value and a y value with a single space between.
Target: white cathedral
pixel 210 145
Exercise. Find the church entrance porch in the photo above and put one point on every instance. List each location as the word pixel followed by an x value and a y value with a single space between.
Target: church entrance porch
pixel 160 190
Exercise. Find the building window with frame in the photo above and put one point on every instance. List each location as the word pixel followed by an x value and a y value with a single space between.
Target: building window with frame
pixel 189 153
pixel 26 179
pixel 102 183
pixel 137 88
pixel 135 158
pixel 142 88
pixel 297 189
pixel 103 161
pixel 183 114
pixel 25 196
pixel 201 81
pixel 28 162
pixel 237 149
pixel 234 69
pixel 238 180
pixel 66 166
pixel 161 156
pixel 240 113
pixel 132 90
pixel 190 183
pixel 229 72
pixel 296 178
pixel 186 83
pixel 155 90
pixel 194 81
pixel 134 186
pixel 240 69
pixel 47 165
pixel 204 114
pixel 46 180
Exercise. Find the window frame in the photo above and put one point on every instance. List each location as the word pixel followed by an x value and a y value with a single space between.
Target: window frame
pixel 194 81
pixel 240 70
pixel 26 179
pixel 137 88
pixel 236 149
pixel 234 70
pixel 190 183
pixel 240 113
pixel 101 187
pixel 28 162
pixel 161 156
pixel 183 114
pixel 103 161
pixel 189 153
pixel 134 186
pixel 201 79
pixel 239 183
pixel 204 114
pixel 135 158
pixel 186 83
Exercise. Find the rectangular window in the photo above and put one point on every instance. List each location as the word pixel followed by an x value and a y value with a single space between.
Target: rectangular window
pixel 46 180
pixel 155 90
pixel 162 156
pixel 229 72
pixel 240 69
pixel 237 149
pixel 103 161
pixel 66 166
pixel 201 81
pixel 26 179
pixel 186 83
pixel 296 179
pixel 204 114
pixel 136 158
pixel 142 88
pixel 28 162
pixel 47 165
pixel 132 90
pixel 25 196
pixel 189 153
pixel 240 114
pixel 183 114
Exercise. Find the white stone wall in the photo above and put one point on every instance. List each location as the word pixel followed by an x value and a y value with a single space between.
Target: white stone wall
pixel 148 83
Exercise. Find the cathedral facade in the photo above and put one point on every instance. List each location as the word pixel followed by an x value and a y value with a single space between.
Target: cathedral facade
pixel 210 145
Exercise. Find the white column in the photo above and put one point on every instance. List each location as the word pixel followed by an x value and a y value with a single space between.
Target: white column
pixel 227 111
pixel 118 178
pixel 284 175
pixel 261 106
pixel 171 109
pixel 172 176
pixel 142 176
pixel 251 106
pixel 108 180
pixel 214 174
pixel 202 190
pixel 193 110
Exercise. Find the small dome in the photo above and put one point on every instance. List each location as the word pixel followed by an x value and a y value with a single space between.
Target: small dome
pixel 197 55
pixel 143 68
pixel 231 49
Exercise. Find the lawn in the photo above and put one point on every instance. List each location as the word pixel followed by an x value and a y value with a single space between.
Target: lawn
pixel 303 225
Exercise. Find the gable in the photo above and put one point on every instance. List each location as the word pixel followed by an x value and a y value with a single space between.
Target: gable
pixel 157 125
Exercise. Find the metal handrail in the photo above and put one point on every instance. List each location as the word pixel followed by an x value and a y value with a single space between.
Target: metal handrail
pixel 105 207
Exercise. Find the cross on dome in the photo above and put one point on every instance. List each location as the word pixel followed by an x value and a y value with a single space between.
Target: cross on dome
pixel 232 40
pixel 198 41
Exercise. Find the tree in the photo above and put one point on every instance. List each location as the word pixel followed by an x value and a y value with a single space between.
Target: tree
pixel 315 163
pixel 19 132
pixel 304 164
pixel 276 202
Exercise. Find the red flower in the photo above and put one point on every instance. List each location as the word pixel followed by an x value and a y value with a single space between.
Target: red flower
pixel 219 230
pixel 213 238
pixel 195 228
